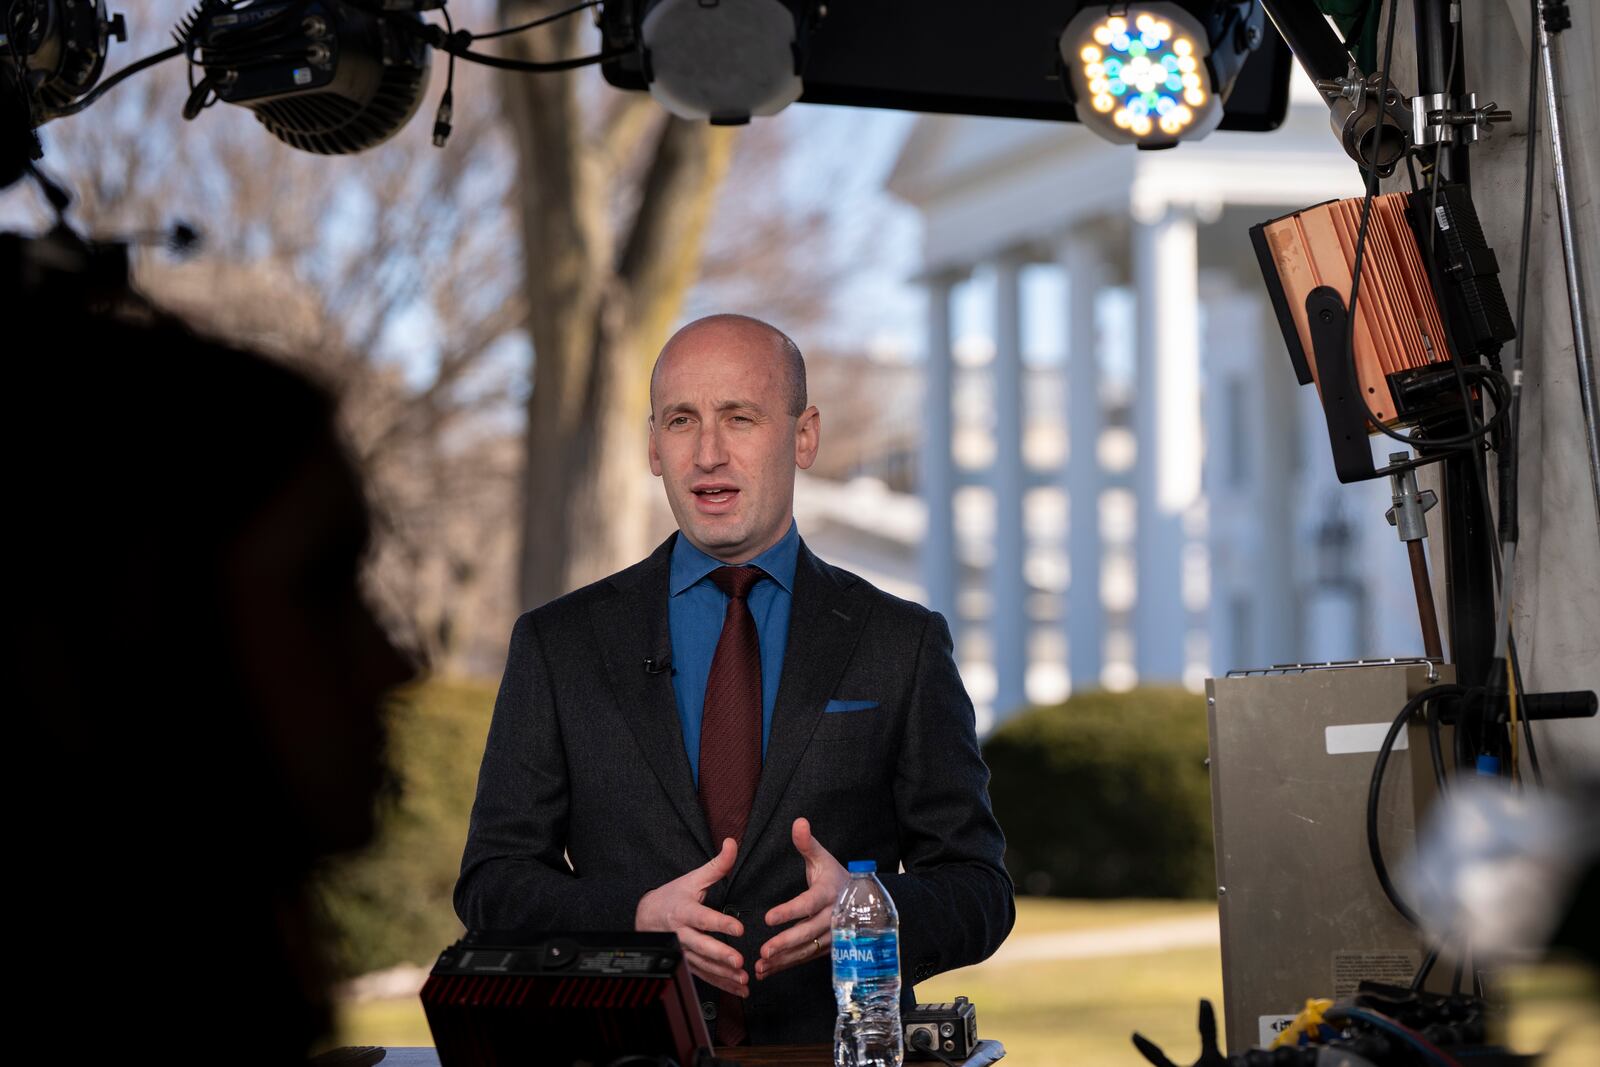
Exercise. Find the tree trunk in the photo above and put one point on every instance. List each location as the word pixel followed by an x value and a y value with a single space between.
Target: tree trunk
pixel 599 309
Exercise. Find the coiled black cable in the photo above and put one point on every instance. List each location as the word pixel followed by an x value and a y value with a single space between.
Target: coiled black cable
pixel 1375 792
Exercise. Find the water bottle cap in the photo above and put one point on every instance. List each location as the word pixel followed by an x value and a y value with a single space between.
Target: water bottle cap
pixel 863 866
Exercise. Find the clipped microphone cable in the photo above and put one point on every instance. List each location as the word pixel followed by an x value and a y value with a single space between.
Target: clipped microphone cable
pixel 446 111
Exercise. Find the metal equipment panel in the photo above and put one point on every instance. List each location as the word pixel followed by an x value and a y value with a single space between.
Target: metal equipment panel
pixel 1302 914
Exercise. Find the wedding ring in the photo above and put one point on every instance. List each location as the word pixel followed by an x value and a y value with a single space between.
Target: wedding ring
pixel 816 943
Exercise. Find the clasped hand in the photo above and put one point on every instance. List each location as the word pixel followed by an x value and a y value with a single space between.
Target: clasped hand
pixel 679 907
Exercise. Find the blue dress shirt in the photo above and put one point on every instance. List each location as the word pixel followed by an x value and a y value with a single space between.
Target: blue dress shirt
pixel 695 610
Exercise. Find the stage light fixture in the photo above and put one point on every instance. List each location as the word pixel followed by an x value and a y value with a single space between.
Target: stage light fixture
pixel 722 61
pixel 61 45
pixel 1152 74
pixel 323 76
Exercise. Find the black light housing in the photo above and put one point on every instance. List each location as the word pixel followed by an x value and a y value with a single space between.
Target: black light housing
pixel 63 45
pixel 323 76
pixel 723 62
pixel 956 57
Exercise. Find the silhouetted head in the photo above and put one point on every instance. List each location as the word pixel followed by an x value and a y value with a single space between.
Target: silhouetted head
pixel 204 678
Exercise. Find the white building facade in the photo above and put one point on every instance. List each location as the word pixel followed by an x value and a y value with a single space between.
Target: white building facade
pixel 1123 482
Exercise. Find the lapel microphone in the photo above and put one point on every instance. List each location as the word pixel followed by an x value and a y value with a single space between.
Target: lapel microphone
pixel 658 664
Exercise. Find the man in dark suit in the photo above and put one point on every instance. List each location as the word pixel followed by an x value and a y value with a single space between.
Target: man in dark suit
pixel 672 746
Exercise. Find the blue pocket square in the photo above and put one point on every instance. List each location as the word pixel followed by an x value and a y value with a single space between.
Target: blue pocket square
pixel 850 705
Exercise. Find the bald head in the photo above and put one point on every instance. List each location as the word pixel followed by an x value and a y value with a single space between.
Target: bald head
pixel 729 429
pixel 744 333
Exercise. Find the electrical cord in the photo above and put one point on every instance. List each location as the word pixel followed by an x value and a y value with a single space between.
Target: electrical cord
pixel 535 68
pixel 1375 791
pixel 1511 697
pixel 1426 969
pixel 1509 519
pixel 456 44
pixel 109 83
pixel 509 30
pixel 1507 407
pixel 1432 444
pixel 1436 751
pixel 459 44
pixel 1509 457
pixel 1508 404
pixel 1430 1052
pixel 1475 458
pixel 1527 727
pixel 446 111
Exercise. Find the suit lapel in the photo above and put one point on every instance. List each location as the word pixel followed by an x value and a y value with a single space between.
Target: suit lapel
pixel 825 621
pixel 630 628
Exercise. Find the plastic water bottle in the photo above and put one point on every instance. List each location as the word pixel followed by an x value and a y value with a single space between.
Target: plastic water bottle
pixel 866 973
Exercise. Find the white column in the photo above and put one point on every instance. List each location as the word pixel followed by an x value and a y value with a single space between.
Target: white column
pixel 940 568
pixel 1258 332
pixel 1008 626
pixel 1250 482
pixel 1085 615
pixel 1167 422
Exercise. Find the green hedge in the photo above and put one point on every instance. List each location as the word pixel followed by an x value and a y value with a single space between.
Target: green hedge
pixel 391 904
pixel 1106 795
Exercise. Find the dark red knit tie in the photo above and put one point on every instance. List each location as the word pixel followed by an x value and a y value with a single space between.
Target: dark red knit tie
pixel 730 722
pixel 730 741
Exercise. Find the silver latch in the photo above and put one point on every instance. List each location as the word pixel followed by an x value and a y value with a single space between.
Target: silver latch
pixel 1410 506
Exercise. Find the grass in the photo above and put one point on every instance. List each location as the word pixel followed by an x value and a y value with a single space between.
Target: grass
pixel 1081 1012
pixel 1554 1008
pixel 394 1023
pixel 1043 915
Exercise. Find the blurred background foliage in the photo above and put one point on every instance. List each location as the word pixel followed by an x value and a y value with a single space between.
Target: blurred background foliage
pixel 391 904
pixel 1106 795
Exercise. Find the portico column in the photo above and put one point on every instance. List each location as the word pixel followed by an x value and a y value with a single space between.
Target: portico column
pixel 1008 627
pixel 1167 422
pixel 1080 262
pixel 940 568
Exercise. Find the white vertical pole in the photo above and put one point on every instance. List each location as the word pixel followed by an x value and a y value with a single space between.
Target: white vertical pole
pixel 1278 451
pixel 1008 621
pixel 1080 261
pixel 1167 422
pixel 940 569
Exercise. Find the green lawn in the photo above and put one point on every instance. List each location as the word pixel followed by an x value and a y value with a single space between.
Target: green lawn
pixel 1081 1012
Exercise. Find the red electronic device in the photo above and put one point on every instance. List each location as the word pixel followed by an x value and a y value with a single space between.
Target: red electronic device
pixel 563 999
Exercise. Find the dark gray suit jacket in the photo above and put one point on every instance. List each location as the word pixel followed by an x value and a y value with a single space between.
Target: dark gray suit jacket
pixel 585 764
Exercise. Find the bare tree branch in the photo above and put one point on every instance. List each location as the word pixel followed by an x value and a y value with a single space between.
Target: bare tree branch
pixel 663 247
pixel 629 118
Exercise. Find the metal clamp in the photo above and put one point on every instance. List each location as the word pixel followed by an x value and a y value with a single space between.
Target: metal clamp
pixel 1368 116
pixel 1435 118
pixel 1406 515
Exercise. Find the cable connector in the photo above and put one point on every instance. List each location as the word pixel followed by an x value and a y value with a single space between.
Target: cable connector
pixel 441 120
pixel 1557 16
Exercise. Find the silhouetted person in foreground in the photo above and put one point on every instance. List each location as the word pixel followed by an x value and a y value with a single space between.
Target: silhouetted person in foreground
pixel 202 679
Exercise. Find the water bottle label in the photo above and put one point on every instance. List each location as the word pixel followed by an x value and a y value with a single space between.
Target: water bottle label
pixel 866 957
